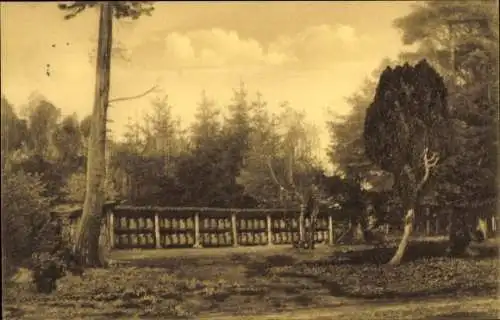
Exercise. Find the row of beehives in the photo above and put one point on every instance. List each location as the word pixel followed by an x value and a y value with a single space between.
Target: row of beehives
pixel 125 223
pixel 210 239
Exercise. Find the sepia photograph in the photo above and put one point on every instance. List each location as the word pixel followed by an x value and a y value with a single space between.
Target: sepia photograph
pixel 237 160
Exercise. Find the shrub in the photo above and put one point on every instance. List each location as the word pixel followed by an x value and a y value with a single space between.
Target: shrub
pixel 75 188
pixel 25 210
pixel 48 267
pixel 53 258
pixel 29 236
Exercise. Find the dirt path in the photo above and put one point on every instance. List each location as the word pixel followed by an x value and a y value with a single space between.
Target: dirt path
pixel 461 308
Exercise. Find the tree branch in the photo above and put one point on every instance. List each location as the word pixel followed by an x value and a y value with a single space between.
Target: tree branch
pixel 290 171
pixel 273 176
pixel 133 97
pixel 430 161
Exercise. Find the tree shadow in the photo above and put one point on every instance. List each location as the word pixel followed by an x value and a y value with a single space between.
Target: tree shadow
pixel 461 316
pixel 337 290
pixel 264 281
pixel 415 251
pixel 12 312
pixel 373 259
pixel 261 267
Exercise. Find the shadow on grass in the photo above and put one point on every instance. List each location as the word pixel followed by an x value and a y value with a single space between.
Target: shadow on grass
pixel 12 313
pixel 367 267
pixel 336 289
pixel 461 316
pixel 114 314
pixel 302 287
pixel 261 267
pixel 415 251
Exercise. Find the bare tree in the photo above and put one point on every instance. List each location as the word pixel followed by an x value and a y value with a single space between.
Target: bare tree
pixel 300 170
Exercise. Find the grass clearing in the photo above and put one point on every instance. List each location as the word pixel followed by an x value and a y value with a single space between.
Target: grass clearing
pixel 278 281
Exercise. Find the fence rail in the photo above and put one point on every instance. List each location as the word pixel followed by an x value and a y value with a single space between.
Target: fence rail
pixel 169 227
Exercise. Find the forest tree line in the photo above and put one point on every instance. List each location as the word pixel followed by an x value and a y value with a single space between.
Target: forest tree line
pixel 220 161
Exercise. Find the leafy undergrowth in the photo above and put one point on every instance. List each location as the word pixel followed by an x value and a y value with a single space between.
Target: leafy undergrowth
pixel 239 282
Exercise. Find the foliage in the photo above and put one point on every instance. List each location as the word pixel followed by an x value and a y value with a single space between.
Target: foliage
pixel 25 210
pixel 53 257
pixel 14 129
pixel 406 121
pixel 43 117
pixel 236 138
pixel 47 269
pixel 47 171
pixel 347 148
pixel 68 140
pixel 74 189
pixel 476 36
pixel 121 9
pixel 199 172
pixel 347 153
pixel 281 157
pixel 466 182
pixel 255 177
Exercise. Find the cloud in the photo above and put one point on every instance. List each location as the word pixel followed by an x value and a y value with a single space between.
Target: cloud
pixel 213 48
pixel 322 46
pixel 315 46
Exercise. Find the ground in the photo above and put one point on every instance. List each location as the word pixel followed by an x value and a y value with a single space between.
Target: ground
pixel 273 283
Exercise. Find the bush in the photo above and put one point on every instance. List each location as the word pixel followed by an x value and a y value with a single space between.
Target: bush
pixel 53 258
pixel 74 189
pixel 48 267
pixel 24 212
pixel 29 236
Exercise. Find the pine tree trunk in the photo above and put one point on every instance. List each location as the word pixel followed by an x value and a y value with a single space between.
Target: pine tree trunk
pixel 408 228
pixel 87 239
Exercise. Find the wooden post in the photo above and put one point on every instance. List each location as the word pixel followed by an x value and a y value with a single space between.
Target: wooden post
pixel 493 224
pixel 302 223
pixel 234 229
pixel 330 229
pixel 157 231
pixel 111 228
pixel 196 230
pixel 269 230
pixel 437 226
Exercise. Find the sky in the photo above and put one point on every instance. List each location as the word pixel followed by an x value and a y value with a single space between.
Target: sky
pixel 311 54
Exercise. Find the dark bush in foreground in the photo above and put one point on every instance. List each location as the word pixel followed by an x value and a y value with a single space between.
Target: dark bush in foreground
pixel 24 213
pixel 53 258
